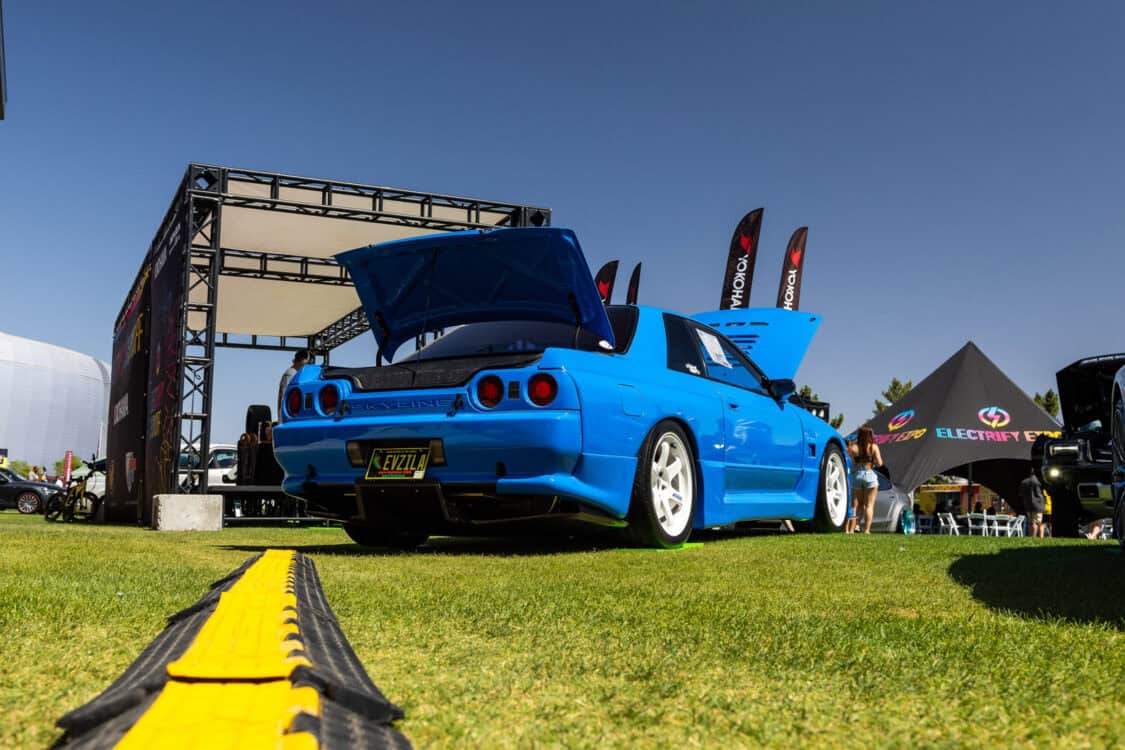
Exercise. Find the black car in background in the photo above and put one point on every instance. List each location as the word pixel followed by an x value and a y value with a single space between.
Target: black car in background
pixel 1117 431
pixel 26 497
pixel 1077 467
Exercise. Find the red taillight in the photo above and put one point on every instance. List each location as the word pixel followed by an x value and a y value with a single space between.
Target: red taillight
pixel 542 389
pixel 293 401
pixel 329 399
pixel 490 390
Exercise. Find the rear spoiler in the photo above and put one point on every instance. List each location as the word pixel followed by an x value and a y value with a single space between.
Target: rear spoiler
pixel 775 338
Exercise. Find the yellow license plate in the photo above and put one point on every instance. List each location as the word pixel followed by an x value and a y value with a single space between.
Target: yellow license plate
pixel 398 463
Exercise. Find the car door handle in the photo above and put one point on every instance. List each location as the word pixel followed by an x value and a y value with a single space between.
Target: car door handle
pixel 733 404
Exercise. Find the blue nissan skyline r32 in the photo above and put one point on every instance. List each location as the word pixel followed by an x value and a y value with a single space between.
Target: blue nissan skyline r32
pixel 544 405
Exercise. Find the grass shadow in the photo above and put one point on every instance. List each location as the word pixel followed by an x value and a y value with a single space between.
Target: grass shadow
pixel 490 546
pixel 517 545
pixel 1081 582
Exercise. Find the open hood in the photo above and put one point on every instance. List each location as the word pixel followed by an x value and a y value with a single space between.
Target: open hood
pixel 774 338
pixel 1085 388
pixel 444 280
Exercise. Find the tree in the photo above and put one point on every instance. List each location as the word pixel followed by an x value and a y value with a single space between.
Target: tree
pixel 895 391
pixel 19 467
pixel 1048 402
pixel 806 393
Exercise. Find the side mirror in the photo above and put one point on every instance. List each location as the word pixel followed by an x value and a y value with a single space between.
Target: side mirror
pixel 3 479
pixel 782 389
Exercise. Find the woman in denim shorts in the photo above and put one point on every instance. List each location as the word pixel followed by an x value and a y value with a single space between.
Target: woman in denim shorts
pixel 865 457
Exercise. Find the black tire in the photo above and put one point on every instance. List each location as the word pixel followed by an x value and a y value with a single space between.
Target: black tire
pixel 1065 514
pixel 646 511
pixel 1117 480
pixel 831 510
pixel 255 415
pixel 28 502
pixel 87 507
pixel 390 538
pixel 1119 519
pixel 54 508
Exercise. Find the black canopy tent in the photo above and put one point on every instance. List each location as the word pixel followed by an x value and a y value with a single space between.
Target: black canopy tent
pixel 966 418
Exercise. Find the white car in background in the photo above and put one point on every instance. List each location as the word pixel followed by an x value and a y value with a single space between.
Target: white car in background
pixel 222 460
pixel 96 481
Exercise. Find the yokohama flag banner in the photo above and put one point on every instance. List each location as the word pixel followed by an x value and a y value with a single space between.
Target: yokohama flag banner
pixel 792 269
pixel 634 286
pixel 607 274
pixel 740 262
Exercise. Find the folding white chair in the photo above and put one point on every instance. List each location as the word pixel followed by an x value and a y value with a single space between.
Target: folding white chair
pixel 978 524
pixel 1001 525
pixel 1019 526
pixel 947 524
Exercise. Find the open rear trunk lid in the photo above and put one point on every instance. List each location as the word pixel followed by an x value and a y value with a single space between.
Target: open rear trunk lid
pixel 443 280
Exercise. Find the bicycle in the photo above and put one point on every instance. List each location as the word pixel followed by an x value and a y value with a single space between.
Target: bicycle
pixel 77 503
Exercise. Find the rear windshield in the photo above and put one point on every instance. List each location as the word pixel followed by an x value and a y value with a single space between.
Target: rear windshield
pixel 520 336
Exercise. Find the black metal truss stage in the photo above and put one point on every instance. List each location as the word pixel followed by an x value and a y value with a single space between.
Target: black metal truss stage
pixel 245 241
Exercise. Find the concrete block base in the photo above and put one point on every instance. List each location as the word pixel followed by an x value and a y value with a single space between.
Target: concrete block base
pixel 187 513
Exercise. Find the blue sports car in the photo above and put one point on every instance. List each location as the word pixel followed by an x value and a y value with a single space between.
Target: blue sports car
pixel 543 405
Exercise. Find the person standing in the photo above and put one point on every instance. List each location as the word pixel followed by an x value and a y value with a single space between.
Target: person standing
pixel 1031 496
pixel 865 485
pixel 300 359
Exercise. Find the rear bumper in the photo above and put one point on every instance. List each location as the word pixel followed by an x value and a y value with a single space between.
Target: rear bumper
pixel 434 507
pixel 514 454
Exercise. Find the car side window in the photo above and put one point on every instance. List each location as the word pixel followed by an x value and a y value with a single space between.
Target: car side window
pixel 223 458
pixel 683 353
pixel 726 364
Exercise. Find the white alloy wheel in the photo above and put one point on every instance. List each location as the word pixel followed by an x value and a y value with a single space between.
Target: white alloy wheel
pixel 672 484
pixel 835 489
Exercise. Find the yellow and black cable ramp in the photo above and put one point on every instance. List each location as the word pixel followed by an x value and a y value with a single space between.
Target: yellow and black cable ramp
pixel 259 662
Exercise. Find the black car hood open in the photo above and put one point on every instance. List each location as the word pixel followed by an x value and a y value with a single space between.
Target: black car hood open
pixel 1085 388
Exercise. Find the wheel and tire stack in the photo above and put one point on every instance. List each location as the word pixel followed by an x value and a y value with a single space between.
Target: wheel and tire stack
pixel 664 489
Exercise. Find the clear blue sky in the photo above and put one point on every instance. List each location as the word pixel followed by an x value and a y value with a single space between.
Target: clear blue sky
pixel 960 165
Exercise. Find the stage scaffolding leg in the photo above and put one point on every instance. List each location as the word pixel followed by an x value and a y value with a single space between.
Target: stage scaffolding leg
pixel 198 340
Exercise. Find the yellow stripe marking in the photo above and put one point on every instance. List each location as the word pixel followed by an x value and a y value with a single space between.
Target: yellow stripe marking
pixel 231 687
pixel 245 638
pixel 220 715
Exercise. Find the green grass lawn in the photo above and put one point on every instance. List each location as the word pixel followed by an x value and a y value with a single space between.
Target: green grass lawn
pixel 745 641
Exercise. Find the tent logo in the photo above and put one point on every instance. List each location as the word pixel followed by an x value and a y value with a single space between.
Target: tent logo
pixel 994 416
pixel 900 420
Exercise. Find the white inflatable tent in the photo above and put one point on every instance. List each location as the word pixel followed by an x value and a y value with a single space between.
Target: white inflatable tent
pixel 51 400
